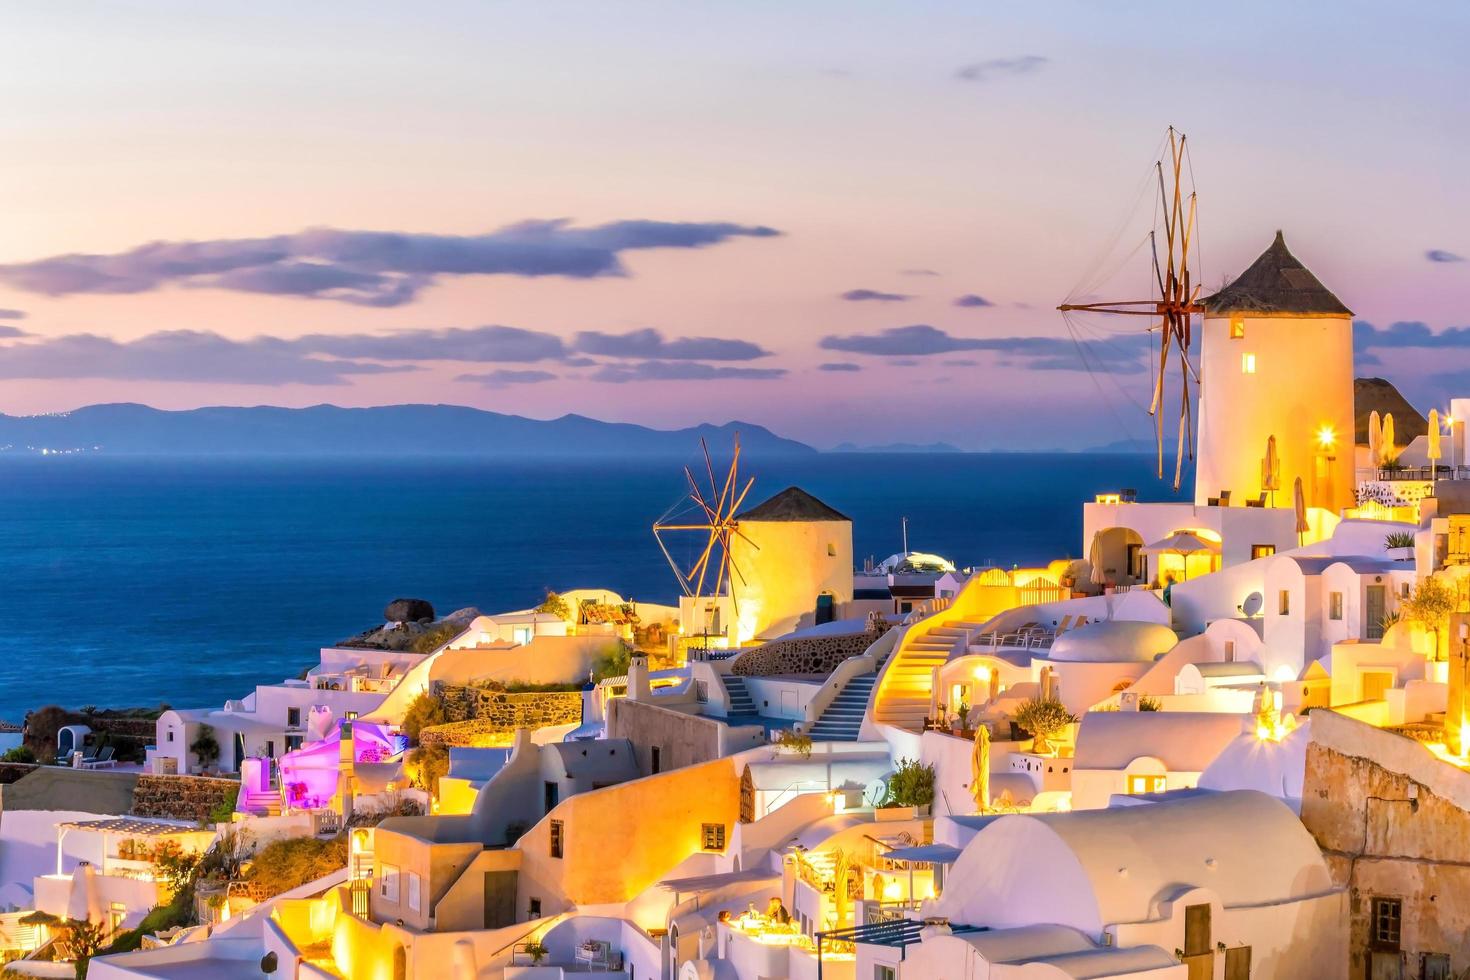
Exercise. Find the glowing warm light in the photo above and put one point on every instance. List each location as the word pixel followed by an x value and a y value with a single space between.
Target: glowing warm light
pixel 1283 674
pixel 892 891
pixel 982 674
pixel 1327 437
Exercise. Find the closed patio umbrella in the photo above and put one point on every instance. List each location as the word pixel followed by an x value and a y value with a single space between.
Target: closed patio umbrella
pixel 1097 576
pixel 980 769
pixel 1300 502
pixel 85 902
pixel 1375 440
pixel 1388 453
pixel 1434 447
pixel 1271 470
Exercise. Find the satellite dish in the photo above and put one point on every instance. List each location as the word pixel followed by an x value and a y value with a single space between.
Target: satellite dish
pixel 1252 604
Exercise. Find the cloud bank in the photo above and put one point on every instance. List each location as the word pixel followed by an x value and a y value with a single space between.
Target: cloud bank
pixel 993 68
pixel 367 268
pixel 874 295
pixel 1123 354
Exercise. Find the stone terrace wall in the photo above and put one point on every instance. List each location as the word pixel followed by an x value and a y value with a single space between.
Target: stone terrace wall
pixel 803 655
pixel 11 771
pixel 1356 802
pixel 476 715
pixel 181 797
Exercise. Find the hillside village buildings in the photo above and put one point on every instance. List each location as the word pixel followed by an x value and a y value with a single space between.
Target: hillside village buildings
pixel 1228 742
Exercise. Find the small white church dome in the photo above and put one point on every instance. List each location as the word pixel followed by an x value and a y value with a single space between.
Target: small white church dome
pixel 1113 641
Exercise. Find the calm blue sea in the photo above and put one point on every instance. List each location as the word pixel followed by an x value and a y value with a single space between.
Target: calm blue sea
pixel 187 581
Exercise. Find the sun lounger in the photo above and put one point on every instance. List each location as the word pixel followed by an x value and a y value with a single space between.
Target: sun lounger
pixel 104 759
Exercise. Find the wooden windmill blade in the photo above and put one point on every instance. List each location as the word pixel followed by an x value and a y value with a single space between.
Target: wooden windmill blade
pixel 1177 301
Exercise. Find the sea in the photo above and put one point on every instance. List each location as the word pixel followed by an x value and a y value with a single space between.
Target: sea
pixel 139 581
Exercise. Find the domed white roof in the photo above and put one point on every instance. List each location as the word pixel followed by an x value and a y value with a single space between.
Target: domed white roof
pixel 1113 641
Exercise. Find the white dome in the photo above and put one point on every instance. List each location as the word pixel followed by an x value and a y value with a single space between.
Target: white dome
pixel 1113 641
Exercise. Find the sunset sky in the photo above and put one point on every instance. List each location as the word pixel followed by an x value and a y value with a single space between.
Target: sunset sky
pixel 845 221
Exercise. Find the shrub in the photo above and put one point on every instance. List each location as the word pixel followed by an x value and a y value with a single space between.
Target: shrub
pixel 555 605
pixel 21 753
pixel 1146 703
pixel 790 740
pixel 224 810
pixel 436 636
pixel 912 784
pixel 290 863
pixel 424 711
pixel 1044 718
pixel 205 746
pixel 426 764
pixel 1399 539
pixel 612 662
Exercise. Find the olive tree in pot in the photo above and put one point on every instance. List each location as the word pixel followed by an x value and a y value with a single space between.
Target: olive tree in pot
pixel 1045 719
pixel 911 787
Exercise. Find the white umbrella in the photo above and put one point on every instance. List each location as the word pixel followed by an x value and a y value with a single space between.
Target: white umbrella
pixel 84 904
pixel 1097 576
pixel 1184 544
pixel 1388 453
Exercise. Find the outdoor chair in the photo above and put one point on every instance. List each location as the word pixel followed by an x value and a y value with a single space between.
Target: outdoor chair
pixel 1224 498
pixel 1257 501
pixel 104 758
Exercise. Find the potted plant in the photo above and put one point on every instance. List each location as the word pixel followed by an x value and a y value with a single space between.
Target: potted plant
pixel 537 952
pixel 1044 718
pixel 1400 545
pixel 910 791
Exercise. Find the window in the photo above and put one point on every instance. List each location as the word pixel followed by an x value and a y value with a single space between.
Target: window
pixel 415 891
pixel 831 550
pixel 653 764
pixel 1247 364
pixel 1237 328
pixel 882 971
pixel 293 717
pixel 1138 785
pixel 1230 651
pixel 533 908
pixel 550 796
pixel 170 734
pixel 1283 603
pixel 1385 924
pixel 1334 605
pixel 116 912
pixel 1262 551
pixel 558 835
pixel 714 836
pixel 388 883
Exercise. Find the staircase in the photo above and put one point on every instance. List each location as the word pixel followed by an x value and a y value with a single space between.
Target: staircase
pixel 741 702
pixel 905 695
pixel 843 718
pixel 261 803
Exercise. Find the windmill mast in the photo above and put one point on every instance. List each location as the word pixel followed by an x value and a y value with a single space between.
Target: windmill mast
pixel 1174 307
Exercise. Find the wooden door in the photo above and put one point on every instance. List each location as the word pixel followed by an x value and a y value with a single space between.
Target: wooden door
pixel 1374 606
pixel 1238 963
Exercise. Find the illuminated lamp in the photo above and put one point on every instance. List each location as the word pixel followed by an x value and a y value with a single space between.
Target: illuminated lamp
pixel 1327 437
pixel 982 674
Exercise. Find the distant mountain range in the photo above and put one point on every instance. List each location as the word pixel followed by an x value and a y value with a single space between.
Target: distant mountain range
pixel 326 430
pixel 898 447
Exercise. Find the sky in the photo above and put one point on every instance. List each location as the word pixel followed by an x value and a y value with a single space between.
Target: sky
pixel 844 221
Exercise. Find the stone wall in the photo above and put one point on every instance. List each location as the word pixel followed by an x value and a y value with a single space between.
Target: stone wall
pixel 181 797
pixel 682 740
pixel 1385 814
pixel 477 715
pixel 11 771
pixel 803 655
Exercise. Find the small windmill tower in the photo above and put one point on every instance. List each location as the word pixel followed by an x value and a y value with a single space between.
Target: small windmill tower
pixel 1276 359
pixel 795 555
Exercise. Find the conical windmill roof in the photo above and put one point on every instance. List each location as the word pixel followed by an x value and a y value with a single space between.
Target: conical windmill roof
pixel 1277 283
pixel 792 504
